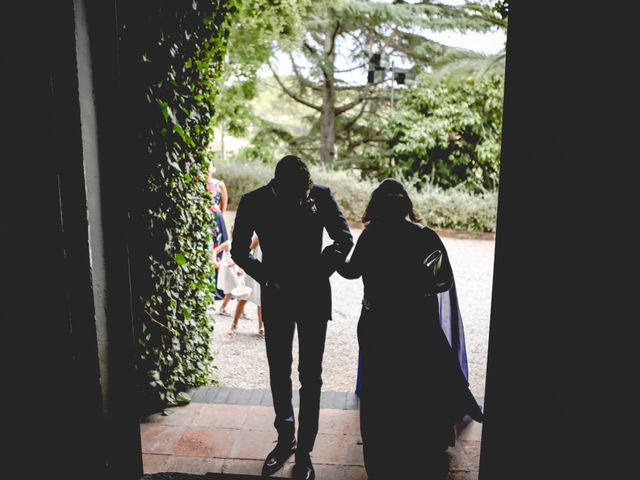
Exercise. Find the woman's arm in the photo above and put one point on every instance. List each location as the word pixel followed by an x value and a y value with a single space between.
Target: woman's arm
pixel 214 258
pixel 224 196
pixel 223 247
pixel 254 241
pixel 338 230
pixel 352 268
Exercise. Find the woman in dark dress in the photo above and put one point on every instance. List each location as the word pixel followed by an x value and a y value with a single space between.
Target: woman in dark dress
pixel 413 390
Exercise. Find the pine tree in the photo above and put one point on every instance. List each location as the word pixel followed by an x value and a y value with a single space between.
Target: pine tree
pixel 349 32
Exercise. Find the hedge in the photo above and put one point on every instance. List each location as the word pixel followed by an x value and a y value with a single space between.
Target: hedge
pixel 453 208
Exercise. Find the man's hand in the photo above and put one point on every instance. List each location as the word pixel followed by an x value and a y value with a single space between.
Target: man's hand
pixel 272 284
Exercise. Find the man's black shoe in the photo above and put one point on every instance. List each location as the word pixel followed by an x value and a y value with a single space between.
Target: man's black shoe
pixel 275 460
pixel 303 468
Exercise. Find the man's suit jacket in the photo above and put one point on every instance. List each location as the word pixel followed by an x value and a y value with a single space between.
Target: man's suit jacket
pixel 291 242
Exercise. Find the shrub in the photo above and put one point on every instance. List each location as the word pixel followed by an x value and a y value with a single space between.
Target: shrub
pixel 439 208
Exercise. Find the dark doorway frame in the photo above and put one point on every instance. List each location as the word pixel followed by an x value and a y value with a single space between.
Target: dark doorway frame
pixel 85 314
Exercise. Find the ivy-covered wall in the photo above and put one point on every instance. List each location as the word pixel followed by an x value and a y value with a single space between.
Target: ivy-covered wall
pixel 175 59
pixel 180 47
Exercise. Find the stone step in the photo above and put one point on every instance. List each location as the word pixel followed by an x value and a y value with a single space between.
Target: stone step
pixel 208 476
pixel 241 396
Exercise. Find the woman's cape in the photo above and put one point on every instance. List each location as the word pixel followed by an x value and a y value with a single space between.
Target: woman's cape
pixel 451 324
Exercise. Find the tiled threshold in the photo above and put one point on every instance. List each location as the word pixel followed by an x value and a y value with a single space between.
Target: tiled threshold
pixel 210 439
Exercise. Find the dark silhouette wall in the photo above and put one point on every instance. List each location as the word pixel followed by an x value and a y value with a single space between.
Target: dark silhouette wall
pixel 70 286
pixel 557 301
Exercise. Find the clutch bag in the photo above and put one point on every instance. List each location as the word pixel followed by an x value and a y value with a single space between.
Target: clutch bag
pixel 433 262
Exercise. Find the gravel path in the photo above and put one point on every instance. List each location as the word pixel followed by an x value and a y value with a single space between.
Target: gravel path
pixel 241 361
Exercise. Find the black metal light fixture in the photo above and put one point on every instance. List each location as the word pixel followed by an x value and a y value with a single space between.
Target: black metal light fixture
pixel 377 73
pixel 404 77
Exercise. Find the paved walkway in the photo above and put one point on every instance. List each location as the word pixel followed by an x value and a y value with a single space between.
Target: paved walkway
pixel 221 438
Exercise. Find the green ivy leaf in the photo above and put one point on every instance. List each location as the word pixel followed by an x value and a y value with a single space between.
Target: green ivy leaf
pixel 175 339
pixel 164 108
pixel 183 398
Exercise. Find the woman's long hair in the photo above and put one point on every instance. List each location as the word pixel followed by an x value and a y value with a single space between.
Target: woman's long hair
pixel 390 201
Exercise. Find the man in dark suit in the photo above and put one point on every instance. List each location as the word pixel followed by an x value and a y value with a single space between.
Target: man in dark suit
pixel 289 215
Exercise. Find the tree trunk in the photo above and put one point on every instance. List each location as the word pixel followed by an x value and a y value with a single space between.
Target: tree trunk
pixel 327 116
pixel 327 127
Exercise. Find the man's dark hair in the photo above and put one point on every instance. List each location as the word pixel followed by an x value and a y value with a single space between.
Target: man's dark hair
pixel 292 178
pixel 390 201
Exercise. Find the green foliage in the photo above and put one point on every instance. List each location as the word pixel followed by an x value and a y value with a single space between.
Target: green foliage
pixel 446 134
pixel 453 208
pixel 459 136
pixel 460 64
pixel 368 132
pixel 348 32
pixel 180 63
pixel 254 28
pixel 269 144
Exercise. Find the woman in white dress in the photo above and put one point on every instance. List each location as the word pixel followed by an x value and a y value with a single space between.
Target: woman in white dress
pixel 254 294
pixel 229 275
